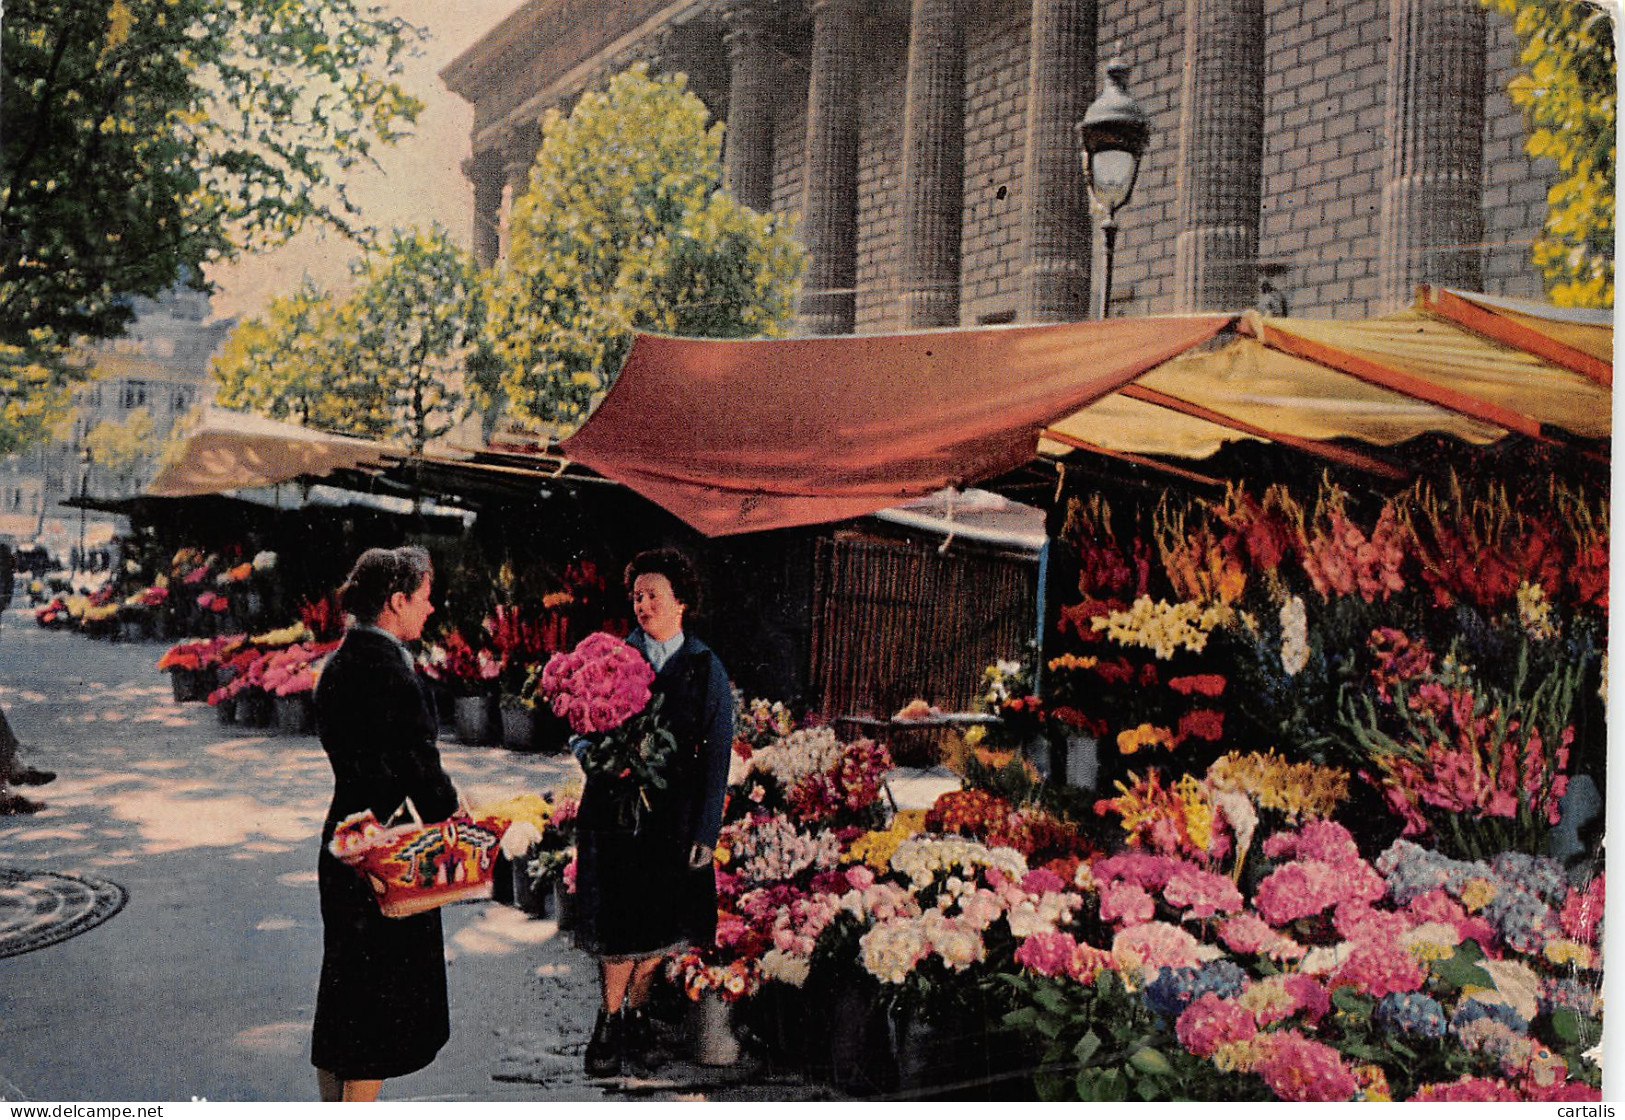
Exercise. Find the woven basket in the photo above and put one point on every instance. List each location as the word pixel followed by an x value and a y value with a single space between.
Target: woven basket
pixel 416 867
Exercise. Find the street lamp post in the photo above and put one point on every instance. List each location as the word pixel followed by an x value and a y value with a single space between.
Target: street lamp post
pixel 1113 134
pixel 86 458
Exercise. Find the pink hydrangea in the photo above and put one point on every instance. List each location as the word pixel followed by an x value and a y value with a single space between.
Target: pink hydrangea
pixel 1126 904
pixel 1248 934
pixel 599 685
pixel 1379 968
pixel 1160 945
pixel 1041 879
pixel 1211 1021
pixel 1438 906
pixel 1300 1069
pixel 1582 910
pixel 1201 893
pixel 1326 841
pixel 1054 953
pixel 1141 868
pixel 1307 886
pixel 1357 921
pixel 1468 1089
pixel 1308 997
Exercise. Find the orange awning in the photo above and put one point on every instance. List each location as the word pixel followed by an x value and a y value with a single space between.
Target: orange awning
pixel 741 436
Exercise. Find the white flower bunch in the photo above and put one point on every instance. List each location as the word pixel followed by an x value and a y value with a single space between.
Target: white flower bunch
pixel 1043 913
pixel 953 939
pixel 923 858
pixel 811 750
pixel 880 902
pixel 264 561
pixel 1294 636
pixel 891 949
pixel 786 968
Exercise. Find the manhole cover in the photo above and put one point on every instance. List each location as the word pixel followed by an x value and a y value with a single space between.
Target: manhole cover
pixel 40 908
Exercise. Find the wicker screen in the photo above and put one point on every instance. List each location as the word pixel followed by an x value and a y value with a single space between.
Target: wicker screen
pixel 897 620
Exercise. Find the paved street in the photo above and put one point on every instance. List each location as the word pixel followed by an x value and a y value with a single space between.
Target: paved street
pixel 204 984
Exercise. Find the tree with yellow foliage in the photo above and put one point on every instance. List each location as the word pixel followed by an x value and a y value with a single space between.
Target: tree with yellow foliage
pixel 626 227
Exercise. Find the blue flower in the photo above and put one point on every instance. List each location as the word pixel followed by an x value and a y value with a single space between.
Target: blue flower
pixel 1223 978
pixel 1168 993
pixel 1411 1013
pixel 1540 874
pixel 1470 1009
pixel 1562 993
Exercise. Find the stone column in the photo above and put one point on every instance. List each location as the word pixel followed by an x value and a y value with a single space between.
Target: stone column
pixel 933 166
pixel 1432 182
pixel 748 143
pixel 484 170
pixel 829 220
pixel 518 153
pixel 1055 254
pixel 1221 156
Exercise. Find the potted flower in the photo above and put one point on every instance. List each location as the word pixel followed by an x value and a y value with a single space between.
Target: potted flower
pixel 471 675
pixel 714 981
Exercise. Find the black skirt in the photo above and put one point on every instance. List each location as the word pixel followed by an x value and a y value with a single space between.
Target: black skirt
pixel 381 1008
pixel 635 893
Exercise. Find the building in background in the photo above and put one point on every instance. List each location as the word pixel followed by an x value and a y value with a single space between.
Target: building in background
pixel 160 366
pixel 1324 155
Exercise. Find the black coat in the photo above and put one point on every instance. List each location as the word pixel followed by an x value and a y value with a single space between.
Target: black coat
pixel 635 894
pixel 381 1007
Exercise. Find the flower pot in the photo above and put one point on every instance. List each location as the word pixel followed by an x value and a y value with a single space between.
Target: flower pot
pixel 518 726
pixel 295 714
pixel 711 1031
pixel 1038 751
pixel 564 905
pixel 477 720
pixel 254 708
pixel 226 710
pixel 534 896
pixel 190 684
pixel 858 1059
pixel 1082 761
pixel 925 1054
pixel 134 629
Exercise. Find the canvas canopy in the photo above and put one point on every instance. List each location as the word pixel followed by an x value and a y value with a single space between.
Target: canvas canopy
pixel 736 436
pixel 763 434
pixel 232 450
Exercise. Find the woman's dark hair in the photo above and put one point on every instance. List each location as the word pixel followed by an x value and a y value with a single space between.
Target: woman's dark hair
pixel 378 574
pixel 678 570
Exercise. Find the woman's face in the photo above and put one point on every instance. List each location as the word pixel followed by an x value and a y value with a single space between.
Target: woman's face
pixel 657 610
pixel 405 615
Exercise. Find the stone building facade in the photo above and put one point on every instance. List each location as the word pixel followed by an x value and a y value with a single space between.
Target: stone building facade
pixel 1346 150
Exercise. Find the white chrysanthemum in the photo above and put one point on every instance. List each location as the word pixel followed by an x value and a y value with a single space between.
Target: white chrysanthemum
pixel 798 755
pixel 922 858
pixel 786 968
pixel 1294 636
pixel 891 949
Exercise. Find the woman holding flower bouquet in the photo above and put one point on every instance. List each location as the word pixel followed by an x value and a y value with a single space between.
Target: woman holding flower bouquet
pixel 381 1008
pixel 645 885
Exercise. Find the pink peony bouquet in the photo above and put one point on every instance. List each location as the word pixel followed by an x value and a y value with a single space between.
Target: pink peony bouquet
pixel 599 685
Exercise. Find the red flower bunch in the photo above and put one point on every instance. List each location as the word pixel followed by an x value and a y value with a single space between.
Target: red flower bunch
pixel 453 661
pixel 1201 684
pixel 852 783
pixel 323 618
pixel 201 654
pixel 1399 659
pixel 967 812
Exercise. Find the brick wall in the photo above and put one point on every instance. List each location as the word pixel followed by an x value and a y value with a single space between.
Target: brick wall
pixel 1150 36
pixel 880 179
pixel 1514 185
pixel 790 138
pixel 996 54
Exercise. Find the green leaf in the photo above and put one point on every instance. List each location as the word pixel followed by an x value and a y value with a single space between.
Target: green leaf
pixel 1149 1060
pixel 1086 1048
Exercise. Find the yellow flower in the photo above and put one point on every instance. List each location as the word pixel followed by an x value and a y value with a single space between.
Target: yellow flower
pixel 1072 661
pixel 1477 894
pixel 1563 951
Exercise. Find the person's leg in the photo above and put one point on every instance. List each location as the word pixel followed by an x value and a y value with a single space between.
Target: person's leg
pixel 643 976
pixel 363 1091
pixel 615 977
pixel 329 1086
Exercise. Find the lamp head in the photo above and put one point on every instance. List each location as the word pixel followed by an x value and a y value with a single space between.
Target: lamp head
pixel 1113 134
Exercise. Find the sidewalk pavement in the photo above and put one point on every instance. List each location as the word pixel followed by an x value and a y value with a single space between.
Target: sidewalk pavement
pixel 203 985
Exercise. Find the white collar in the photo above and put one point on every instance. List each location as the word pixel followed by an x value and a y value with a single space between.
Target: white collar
pixel 661 652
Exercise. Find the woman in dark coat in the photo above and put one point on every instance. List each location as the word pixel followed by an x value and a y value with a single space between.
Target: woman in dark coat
pixel 645 893
pixel 381 1008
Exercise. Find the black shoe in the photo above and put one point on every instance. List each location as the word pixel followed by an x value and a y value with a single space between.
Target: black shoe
pixel 15 804
pixel 639 1043
pixel 604 1048
pixel 28 776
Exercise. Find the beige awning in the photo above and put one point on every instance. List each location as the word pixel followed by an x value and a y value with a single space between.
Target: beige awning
pixel 232 450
